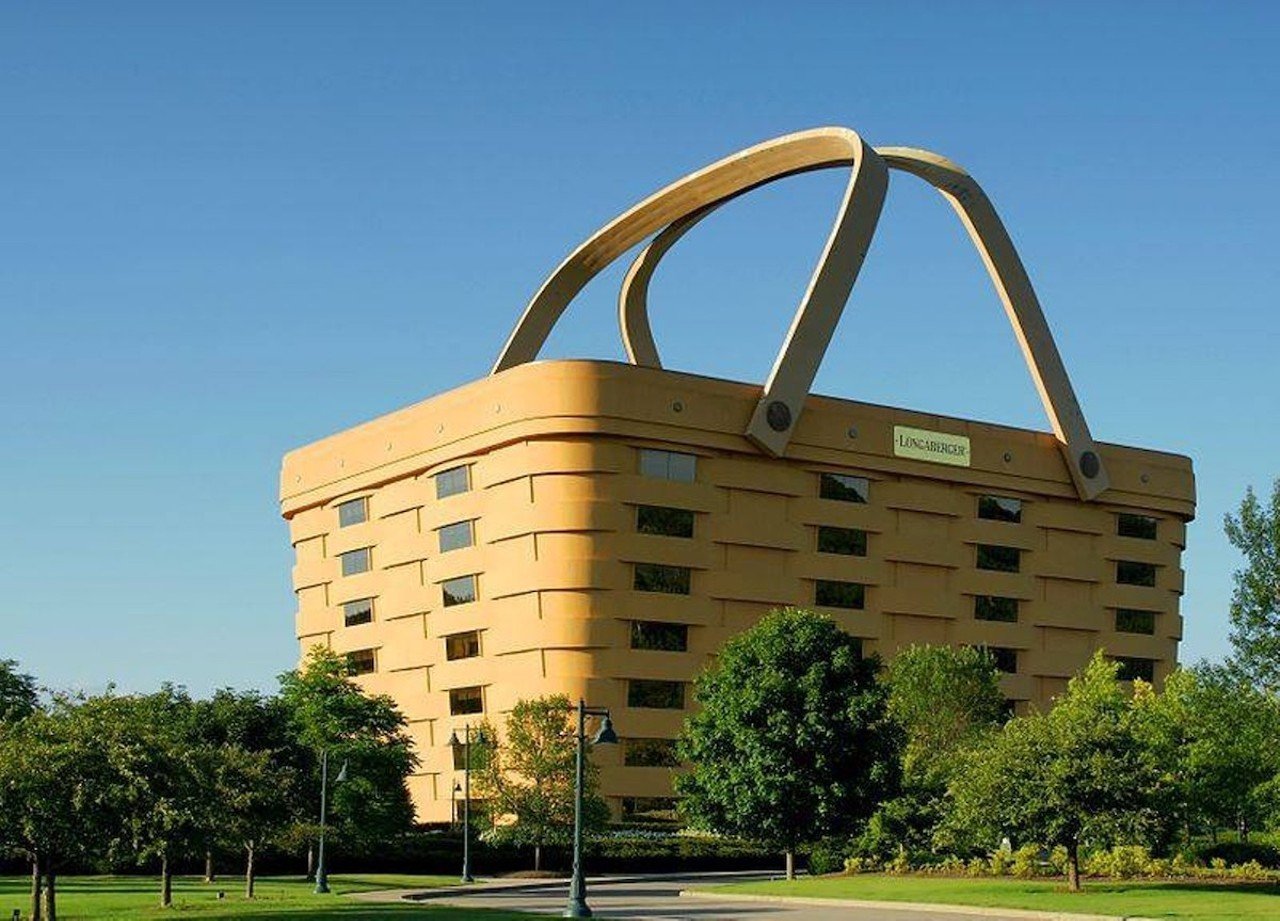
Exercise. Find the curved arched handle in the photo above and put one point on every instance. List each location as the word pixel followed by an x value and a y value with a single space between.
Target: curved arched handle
pixel 992 241
pixel 797 363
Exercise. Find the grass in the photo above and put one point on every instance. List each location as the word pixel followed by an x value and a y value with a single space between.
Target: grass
pixel 1182 900
pixel 277 899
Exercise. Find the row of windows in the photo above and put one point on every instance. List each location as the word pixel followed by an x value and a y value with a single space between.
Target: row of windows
pixel 448 483
pixel 451 536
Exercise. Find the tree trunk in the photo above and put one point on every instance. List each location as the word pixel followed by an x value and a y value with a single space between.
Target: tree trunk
pixel 537 857
pixel 50 896
pixel 791 864
pixel 166 882
pixel 36 887
pixel 1073 866
pixel 208 867
pixel 248 871
pixel 311 861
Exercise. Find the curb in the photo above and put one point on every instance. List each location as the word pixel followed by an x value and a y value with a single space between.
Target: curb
pixel 970 910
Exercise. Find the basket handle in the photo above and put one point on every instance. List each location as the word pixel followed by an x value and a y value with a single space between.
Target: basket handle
pixel 992 241
pixel 815 319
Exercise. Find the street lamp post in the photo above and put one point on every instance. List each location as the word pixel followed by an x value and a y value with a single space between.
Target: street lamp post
pixel 466 794
pixel 322 876
pixel 577 907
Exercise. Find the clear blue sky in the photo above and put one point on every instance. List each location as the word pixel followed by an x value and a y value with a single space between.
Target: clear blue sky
pixel 227 229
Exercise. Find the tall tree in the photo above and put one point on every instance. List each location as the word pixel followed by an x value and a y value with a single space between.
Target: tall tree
pixel 1074 774
pixel 792 741
pixel 1255 603
pixel 528 777
pixel 19 696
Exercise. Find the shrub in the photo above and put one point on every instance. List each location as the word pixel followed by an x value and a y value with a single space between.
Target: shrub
pixel 1026 861
pixel 828 856
pixel 860 865
pixel 1241 852
pixel 976 867
pixel 1001 863
pixel 901 863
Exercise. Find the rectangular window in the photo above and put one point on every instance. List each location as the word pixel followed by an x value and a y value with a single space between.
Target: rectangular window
pixel 464 701
pixel 999 559
pixel 1131 621
pixel 357 612
pixel 456 536
pixel 356 561
pixel 361 662
pixel 453 481
pixel 1140 526
pixel 649 753
pixel 669 522
pixel 655 695
pixel 668 465
pixel 654 577
pixel 461 590
pixel 845 541
pixel 991 607
pixel 354 512
pixel 998 508
pixel 1005 659
pixel 649 634
pixel 843 488
pixel 840 594
pixel 649 809
pixel 462 645
pixel 1133 668
pixel 1131 573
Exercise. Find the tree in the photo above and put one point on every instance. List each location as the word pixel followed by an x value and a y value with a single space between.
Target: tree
pixel 528 778
pixel 1074 774
pixel 792 742
pixel 1255 602
pixel 19 696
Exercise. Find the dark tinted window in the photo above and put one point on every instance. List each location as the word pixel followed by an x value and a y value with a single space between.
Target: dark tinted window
pixel 456 536
pixel 648 809
pixel 648 634
pixel 1131 573
pixel 999 559
pixel 354 512
pixel 654 577
pixel 356 561
pixel 463 701
pixel 1132 668
pixel 991 607
pixel 1005 659
pixel 847 541
pixel 668 465
pixel 461 590
pixel 843 488
pixel 358 612
pixel 998 508
pixel 453 481
pixel 361 662
pixel 649 753
pixel 462 645
pixel 656 695
pixel 1131 621
pixel 1136 526
pixel 839 594
pixel 669 522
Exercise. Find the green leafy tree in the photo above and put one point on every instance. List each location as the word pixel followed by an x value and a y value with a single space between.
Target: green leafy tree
pixel 1077 773
pixel 19 695
pixel 1255 602
pixel 792 742
pixel 528 778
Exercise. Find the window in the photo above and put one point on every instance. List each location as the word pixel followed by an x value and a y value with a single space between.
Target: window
pixel 456 536
pixel 648 634
pixel 843 488
pixel 649 753
pixel 1004 658
pixel 354 512
pixel 998 508
pixel 999 559
pixel 648 809
pixel 462 645
pixel 463 701
pixel 461 590
pixel 1131 621
pixel 846 541
pixel 1140 526
pixel 1131 573
pixel 654 577
pixel 453 481
pixel 361 662
pixel 1132 668
pixel 840 594
pixel 655 695
pixel 669 522
pixel 356 561
pixel 991 607
pixel 357 612
pixel 668 465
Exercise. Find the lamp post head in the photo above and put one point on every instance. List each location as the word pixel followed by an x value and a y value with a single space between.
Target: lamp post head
pixel 453 739
pixel 481 738
pixel 606 735
pixel 457 787
pixel 342 774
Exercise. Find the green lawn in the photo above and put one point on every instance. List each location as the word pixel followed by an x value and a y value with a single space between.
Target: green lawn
pixel 1199 900
pixel 277 899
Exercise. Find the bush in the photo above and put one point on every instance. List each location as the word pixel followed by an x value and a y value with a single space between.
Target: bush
pixel 1240 852
pixel 861 865
pixel 1026 862
pixel 1001 863
pixel 829 856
